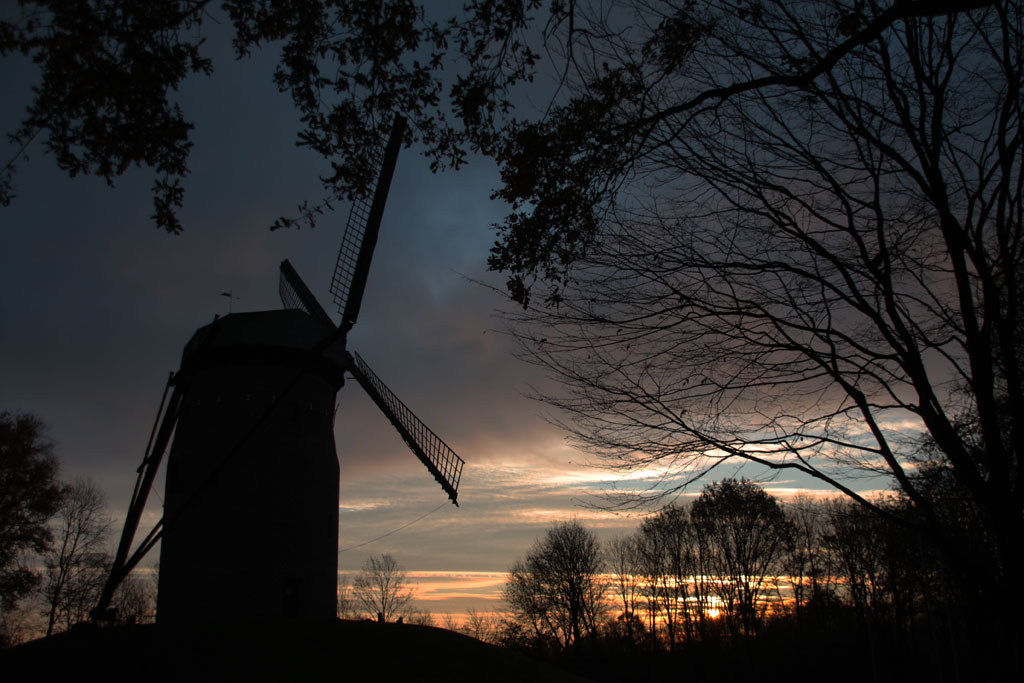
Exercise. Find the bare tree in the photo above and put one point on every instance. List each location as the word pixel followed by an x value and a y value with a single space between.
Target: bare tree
pixel 879 564
pixel 808 566
pixel 77 560
pixel 347 607
pixel 794 239
pixel 624 562
pixel 419 617
pixel 481 625
pixel 668 561
pixel 748 536
pixel 135 600
pixel 557 590
pixel 380 588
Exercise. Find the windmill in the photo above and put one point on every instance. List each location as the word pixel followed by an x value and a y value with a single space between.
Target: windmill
pixel 250 524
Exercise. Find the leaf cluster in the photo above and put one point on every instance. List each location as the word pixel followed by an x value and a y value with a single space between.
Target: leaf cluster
pixel 109 69
pixel 103 102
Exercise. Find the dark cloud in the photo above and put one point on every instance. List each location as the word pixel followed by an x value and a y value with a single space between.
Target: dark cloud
pixel 98 304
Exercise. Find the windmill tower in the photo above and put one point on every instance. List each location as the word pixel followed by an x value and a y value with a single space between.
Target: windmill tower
pixel 250 525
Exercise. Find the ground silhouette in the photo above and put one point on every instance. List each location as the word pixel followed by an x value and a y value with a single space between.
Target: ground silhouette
pixel 272 651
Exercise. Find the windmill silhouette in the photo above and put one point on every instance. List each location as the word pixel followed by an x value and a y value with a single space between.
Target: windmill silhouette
pixel 250 524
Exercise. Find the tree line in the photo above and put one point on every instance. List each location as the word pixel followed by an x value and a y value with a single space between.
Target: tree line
pixel 53 540
pixel 736 569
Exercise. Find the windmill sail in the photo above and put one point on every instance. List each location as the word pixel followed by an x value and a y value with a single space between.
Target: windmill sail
pixel 262 390
pixel 441 461
pixel 295 294
pixel 360 236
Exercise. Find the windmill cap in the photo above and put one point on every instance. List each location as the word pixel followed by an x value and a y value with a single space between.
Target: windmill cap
pixel 280 337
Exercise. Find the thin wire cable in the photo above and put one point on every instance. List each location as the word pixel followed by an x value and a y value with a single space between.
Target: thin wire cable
pixel 395 531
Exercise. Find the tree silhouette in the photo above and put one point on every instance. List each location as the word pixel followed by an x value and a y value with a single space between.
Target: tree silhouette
pixel 347 608
pixel 624 562
pixel 380 588
pixel 747 538
pixel 808 566
pixel 784 234
pixel 557 589
pixel 76 564
pixel 666 551
pixel 29 496
pixel 134 602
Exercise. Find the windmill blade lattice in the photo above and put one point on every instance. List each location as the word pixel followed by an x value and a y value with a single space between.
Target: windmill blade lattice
pixel 440 459
pixel 348 253
pixel 360 236
pixel 295 294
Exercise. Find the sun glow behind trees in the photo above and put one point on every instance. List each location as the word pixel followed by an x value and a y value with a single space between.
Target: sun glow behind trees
pixel 835 565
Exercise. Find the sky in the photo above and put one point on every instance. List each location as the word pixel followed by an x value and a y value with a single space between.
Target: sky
pixel 97 304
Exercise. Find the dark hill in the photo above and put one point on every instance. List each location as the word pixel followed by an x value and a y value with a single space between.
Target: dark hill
pixel 280 651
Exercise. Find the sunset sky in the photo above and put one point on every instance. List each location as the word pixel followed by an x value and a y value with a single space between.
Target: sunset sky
pixel 97 304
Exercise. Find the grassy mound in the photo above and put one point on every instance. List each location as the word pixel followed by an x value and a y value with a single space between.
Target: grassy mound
pixel 277 651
